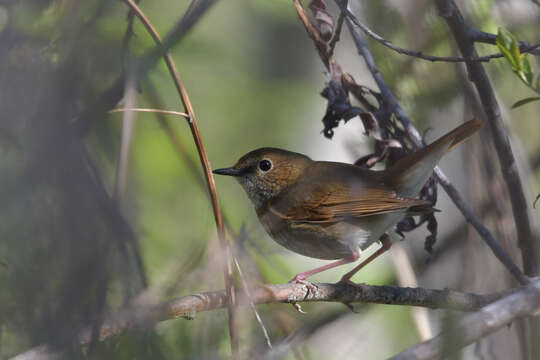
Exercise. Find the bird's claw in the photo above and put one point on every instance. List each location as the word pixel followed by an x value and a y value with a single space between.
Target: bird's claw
pixel 309 285
pixel 298 308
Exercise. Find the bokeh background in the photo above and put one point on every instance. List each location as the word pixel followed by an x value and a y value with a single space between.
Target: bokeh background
pixel 83 233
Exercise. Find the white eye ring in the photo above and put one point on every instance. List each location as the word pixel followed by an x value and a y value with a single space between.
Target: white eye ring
pixel 265 165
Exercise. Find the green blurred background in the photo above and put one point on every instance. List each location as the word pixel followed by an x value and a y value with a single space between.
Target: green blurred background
pixel 254 78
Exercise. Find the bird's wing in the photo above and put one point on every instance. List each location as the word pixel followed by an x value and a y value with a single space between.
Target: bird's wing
pixel 330 198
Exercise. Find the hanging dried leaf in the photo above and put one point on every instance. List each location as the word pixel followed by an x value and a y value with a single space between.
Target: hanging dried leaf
pixel 339 106
pixel 323 19
pixel 429 193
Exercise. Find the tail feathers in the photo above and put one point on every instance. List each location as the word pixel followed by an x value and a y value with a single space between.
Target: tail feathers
pixel 411 173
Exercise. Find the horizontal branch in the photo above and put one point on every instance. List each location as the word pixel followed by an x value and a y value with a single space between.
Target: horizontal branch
pixel 479 324
pixel 188 306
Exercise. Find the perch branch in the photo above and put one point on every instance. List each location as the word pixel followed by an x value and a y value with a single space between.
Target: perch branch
pixel 188 306
pixel 192 121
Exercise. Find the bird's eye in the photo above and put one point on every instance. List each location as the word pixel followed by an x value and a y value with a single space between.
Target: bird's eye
pixel 265 165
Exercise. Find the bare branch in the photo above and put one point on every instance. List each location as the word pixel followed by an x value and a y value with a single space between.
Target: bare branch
pixel 156 111
pixel 419 54
pixel 188 306
pixel 487 38
pixel 391 102
pixel 479 324
pixel 251 303
pixel 529 247
pixel 225 246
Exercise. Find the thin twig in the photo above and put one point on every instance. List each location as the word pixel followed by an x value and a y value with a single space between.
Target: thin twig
pixel 415 137
pixel 526 239
pixel 225 246
pixel 321 45
pixel 477 325
pixel 128 34
pixel 158 111
pixel 487 38
pixel 251 303
pixel 128 125
pixel 419 54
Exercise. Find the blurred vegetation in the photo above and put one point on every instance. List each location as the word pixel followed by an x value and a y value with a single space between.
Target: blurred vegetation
pixel 70 252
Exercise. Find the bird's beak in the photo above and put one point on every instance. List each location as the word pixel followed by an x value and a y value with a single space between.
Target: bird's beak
pixel 230 171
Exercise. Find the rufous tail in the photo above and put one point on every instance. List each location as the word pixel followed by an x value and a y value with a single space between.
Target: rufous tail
pixel 410 173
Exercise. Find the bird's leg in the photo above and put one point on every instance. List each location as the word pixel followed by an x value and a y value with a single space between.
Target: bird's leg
pixel 386 244
pixel 301 278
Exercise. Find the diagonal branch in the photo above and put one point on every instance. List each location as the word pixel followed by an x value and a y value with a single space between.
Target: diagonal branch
pixel 529 247
pixel 477 325
pixel 225 246
pixel 390 101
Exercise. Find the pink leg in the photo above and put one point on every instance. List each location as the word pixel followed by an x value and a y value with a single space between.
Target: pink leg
pixel 386 244
pixel 301 278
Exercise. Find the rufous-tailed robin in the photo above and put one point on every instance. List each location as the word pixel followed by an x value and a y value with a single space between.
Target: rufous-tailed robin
pixel 331 210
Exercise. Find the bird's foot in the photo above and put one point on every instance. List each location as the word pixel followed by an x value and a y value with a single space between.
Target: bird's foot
pixel 298 308
pixel 298 279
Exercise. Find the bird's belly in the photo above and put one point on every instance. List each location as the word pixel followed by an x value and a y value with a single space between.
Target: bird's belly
pixel 329 241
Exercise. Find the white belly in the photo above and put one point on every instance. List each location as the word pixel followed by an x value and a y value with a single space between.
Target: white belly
pixel 361 236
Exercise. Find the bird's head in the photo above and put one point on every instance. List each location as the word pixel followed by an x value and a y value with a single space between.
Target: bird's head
pixel 264 173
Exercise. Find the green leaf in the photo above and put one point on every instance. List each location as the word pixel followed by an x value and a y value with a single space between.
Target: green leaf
pixel 521 66
pixel 527 70
pixel 504 38
pixel 525 101
pixel 507 44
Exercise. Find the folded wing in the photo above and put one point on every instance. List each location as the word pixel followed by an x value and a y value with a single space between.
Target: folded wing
pixel 343 192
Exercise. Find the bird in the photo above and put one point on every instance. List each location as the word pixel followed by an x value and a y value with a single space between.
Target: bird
pixel 333 210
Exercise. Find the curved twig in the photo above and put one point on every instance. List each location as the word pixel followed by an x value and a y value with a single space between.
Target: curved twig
pixel 160 111
pixel 205 164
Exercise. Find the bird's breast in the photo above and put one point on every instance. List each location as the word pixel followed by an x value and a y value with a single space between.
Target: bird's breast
pixel 336 240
